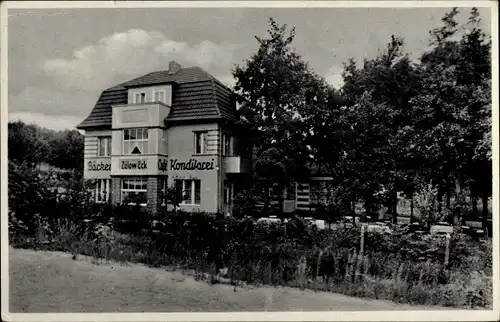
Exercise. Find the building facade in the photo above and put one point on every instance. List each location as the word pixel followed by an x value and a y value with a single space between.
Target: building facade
pixel 166 128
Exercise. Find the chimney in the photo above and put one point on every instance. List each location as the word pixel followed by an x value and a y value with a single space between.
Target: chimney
pixel 173 67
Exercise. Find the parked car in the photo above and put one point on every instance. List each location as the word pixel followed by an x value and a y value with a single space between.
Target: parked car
pixel 320 224
pixel 269 220
pixel 348 221
pixel 441 228
pixel 378 228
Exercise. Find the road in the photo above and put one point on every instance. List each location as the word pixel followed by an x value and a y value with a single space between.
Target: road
pixel 53 282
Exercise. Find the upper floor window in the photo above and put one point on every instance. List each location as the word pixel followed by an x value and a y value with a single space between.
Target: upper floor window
pixel 200 142
pixel 104 146
pixel 226 145
pixel 159 96
pixel 135 141
pixel 164 142
pixel 139 98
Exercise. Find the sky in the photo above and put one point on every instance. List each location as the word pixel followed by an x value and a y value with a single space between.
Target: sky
pixel 60 60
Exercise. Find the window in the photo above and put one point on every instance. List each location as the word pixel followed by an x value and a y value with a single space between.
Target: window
pixel 200 142
pixel 135 141
pixel 163 144
pixel 104 146
pixel 226 145
pixel 228 193
pixel 159 96
pixel 134 191
pixel 163 187
pixel 102 190
pixel 139 98
pixel 191 190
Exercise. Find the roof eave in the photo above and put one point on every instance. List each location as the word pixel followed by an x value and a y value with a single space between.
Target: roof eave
pixel 149 84
pixel 193 120
pixel 84 127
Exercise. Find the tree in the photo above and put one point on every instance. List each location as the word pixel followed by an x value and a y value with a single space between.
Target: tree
pixel 452 112
pixel 67 150
pixel 377 128
pixel 34 145
pixel 25 144
pixel 275 93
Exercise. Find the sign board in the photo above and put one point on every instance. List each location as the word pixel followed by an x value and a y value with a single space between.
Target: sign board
pixel 143 165
pixel 192 164
pixel 134 164
pixel 97 168
pixel 157 165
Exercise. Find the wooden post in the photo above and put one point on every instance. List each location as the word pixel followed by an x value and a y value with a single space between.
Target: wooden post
pixel 362 242
pixel 361 252
pixel 318 263
pixel 447 250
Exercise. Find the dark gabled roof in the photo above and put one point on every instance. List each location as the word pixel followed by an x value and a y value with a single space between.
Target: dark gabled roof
pixel 196 95
pixel 183 75
pixel 102 112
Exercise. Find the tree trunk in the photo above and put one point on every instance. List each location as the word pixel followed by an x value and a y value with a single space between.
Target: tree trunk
pixel 281 199
pixel 474 204
pixel 411 210
pixel 266 200
pixel 448 197
pixel 394 206
pixel 353 213
pixel 440 200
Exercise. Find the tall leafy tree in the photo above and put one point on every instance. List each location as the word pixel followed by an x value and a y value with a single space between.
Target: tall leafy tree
pixel 67 150
pixel 453 109
pixel 25 144
pixel 33 145
pixel 275 92
pixel 377 99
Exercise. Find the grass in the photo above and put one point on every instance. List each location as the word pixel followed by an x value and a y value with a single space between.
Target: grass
pixel 81 286
pixel 373 275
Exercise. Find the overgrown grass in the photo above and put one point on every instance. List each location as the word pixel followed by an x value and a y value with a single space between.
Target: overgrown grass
pixel 401 267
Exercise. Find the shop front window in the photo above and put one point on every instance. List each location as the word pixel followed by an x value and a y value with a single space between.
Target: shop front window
pixel 102 190
pixel 135 141
pixel 228 194
pixel 134 191
pixel 163 188
pixel 191 191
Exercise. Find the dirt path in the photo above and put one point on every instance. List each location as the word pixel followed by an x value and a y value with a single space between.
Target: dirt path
pixel 53 282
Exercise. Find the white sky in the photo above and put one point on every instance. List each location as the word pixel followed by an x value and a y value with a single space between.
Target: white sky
pixel 61 60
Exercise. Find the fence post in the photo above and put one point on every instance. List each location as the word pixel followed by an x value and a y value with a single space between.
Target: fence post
pixel 361 252
pixel 447 250
pixel 320 254
pixel 362 242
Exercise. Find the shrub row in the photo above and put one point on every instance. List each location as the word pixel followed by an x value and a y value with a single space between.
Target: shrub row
pixel 401 266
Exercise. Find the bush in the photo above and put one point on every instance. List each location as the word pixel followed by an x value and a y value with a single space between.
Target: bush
pixel 403 267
